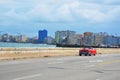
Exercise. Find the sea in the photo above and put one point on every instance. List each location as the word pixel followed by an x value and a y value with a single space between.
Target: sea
pixel 22 45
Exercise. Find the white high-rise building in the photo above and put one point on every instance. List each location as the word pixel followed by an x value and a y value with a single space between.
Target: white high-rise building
pixel 66 37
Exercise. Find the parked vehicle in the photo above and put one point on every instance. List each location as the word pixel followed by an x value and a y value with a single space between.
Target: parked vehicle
pixel 87 52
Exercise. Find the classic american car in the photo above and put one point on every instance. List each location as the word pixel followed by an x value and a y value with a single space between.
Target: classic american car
pixel 87 52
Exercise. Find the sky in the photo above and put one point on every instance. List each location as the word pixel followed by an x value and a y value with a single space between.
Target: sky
pixel 29 16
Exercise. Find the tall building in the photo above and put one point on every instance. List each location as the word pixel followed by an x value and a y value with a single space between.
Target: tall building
pixel 79 39
pixel 57 37
pixel 99 38
pixel 42 35
pixel 66 37
pixel 88 38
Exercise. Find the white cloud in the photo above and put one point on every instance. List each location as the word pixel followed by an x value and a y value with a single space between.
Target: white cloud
pixel 64 13
pixel 62 10
pixel 93 15
pixel 88 11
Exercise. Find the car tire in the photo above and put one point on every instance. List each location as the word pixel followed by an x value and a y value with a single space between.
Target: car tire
pixel 86 54
pixel 80 54
pixel 89 54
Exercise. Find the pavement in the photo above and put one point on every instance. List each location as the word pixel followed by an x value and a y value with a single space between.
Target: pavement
pixel 99 67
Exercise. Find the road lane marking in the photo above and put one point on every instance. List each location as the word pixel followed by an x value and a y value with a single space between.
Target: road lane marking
pixel 96 61
pixel 26 77
pixel 92 61
pixel 55 62
pixel 97 79
pixel 90 66
pixel 99 60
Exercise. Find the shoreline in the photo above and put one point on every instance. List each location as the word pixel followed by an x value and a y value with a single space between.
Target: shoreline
pixel 29 53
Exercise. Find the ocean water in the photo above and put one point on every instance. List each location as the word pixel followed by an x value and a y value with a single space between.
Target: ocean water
pixel 6 44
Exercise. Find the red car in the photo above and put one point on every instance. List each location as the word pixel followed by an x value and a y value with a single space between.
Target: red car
pixel 87 52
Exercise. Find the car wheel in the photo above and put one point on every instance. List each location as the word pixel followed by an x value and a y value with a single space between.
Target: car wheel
pixel 86 54
pixel 89 54
pixel 80 54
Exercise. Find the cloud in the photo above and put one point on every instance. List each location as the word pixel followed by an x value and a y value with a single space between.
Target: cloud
pixel 67 11
pixel 74 10
pixel 87 11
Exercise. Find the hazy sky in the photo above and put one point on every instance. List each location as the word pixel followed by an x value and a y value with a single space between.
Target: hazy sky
pixel 29 16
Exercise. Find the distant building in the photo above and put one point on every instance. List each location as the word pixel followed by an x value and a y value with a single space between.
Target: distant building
pixel 23 38
pixel 72 38
pixel 5 38
pixel 42 35
pixel 112 40
pixel 88 38
pixel 50 40
pixel 16 39
pixel 119 41
pixel 12 38
pixel 99 38
pixel 66 37
pixel 0 38
pixel 33 40
pixel 79 39
pixel 57 37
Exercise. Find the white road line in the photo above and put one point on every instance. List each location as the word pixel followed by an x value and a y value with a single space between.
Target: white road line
pixel 92 61
pixel 97 79
pixel 60 59
pixel 55 62
pixel 99 60
pixel 26 77
pixel 96 61
pixel 90 66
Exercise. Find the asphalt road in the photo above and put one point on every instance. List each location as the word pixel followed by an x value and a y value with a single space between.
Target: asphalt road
pixel 100 67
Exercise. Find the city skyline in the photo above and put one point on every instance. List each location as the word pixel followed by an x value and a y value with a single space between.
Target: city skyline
pixel 28 16
pixel 66 37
